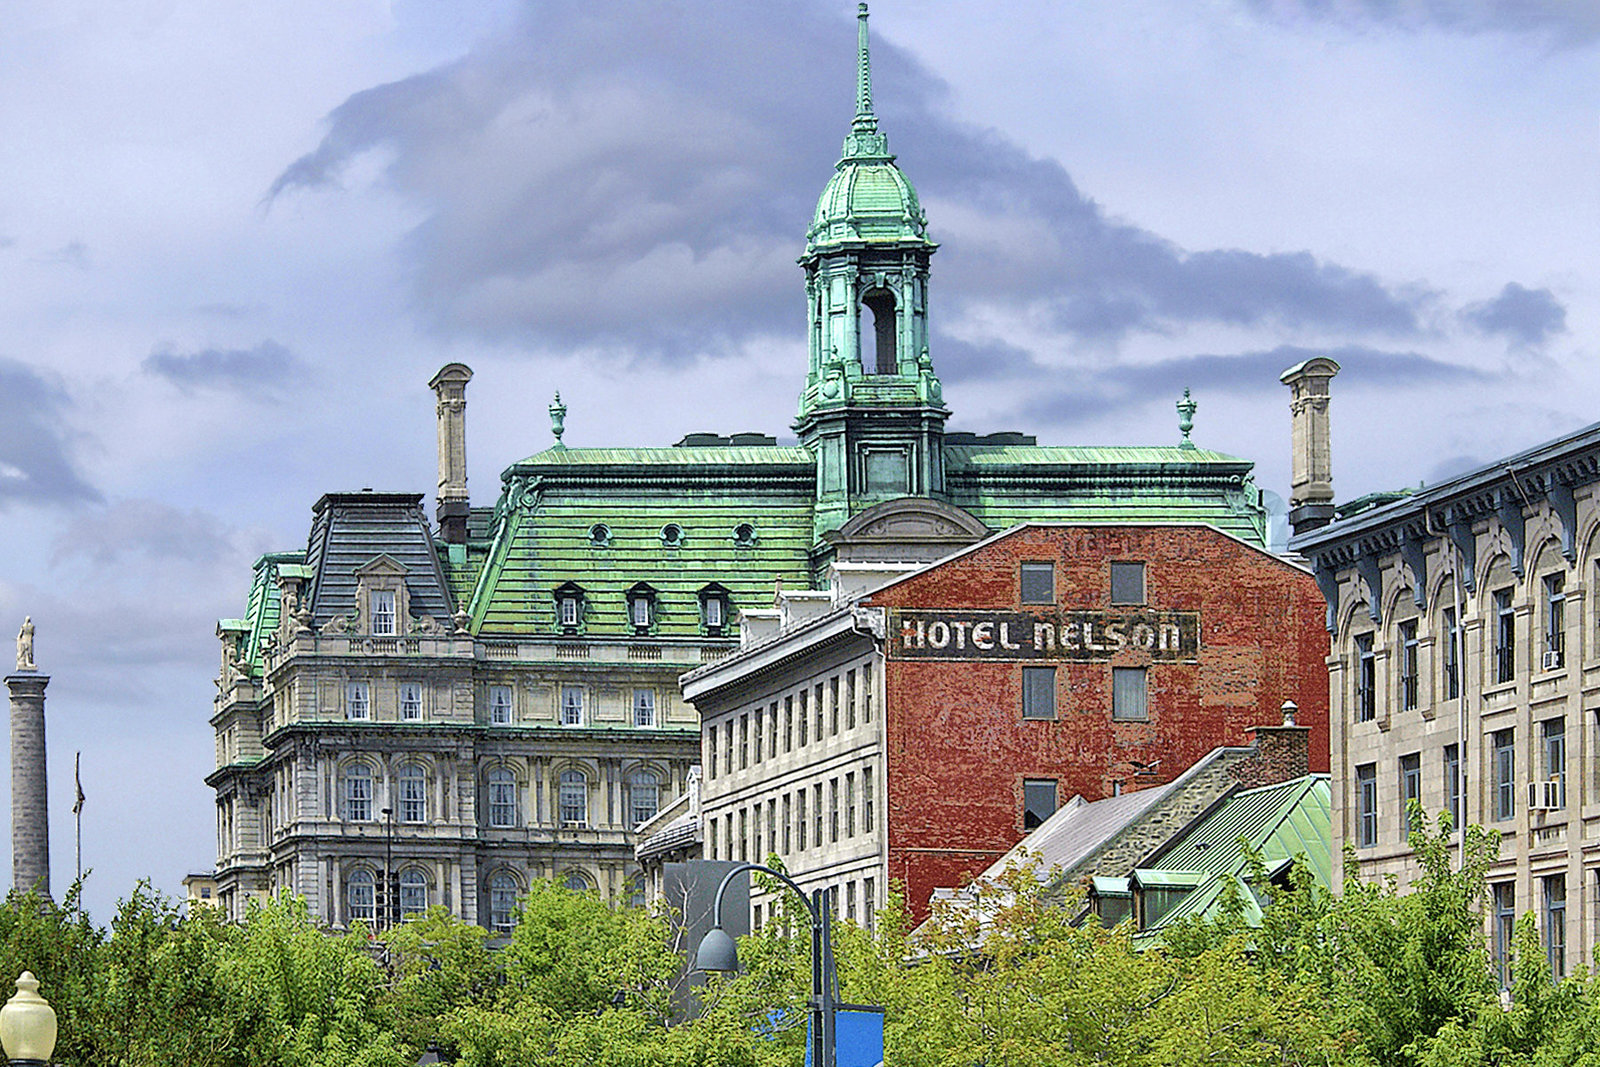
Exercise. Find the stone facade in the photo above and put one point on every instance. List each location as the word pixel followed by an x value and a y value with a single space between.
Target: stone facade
pixel 1464 675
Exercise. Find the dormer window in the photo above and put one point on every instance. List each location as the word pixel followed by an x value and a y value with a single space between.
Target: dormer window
pixel 641 607
pixel 744 535
pixel 380 604
pixel 714 608
pixel 569 607
pixel 600 535
pixel 672 535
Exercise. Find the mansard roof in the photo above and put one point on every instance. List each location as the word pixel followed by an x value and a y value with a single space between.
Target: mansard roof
pixel 351 530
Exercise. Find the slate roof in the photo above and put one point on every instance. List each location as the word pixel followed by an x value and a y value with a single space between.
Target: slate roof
pixel 350 530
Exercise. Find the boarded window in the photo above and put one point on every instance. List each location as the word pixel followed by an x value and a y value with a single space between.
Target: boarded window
pixel 1127 583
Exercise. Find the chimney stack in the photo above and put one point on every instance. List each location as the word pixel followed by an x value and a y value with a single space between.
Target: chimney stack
pixel 1311 484
pixel 1282 752
pixel 450 386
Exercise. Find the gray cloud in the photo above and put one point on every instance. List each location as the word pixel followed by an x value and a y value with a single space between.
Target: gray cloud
pixel 1564 21
pixel 651 189
pixel 147 528
pixel 36 455
pixel 1524 316
pixel 268 368
pixel 1111 388
pixel 71 254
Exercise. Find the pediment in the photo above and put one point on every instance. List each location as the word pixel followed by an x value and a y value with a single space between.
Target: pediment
pixel 382 564
pixel 913 519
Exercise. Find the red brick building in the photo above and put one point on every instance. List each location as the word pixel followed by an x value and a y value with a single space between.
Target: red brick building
pixel 982 691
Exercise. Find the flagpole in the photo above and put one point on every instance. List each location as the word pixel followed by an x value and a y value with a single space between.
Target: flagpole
pixel 77 812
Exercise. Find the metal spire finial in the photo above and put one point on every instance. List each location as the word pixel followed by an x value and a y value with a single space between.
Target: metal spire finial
pixel 1186 408
pixel 866 121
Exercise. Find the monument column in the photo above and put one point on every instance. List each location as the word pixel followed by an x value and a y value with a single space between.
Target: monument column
pixel 30 815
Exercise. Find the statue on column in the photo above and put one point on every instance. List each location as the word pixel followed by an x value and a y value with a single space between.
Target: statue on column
pixel 25 645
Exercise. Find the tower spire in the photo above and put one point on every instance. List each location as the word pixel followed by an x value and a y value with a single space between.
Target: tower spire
pixel 866 121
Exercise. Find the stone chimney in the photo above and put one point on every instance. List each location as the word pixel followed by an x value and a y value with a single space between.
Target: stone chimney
pixel 1282 752
pixel 30 813
pixel 1311 484
pixel 450 386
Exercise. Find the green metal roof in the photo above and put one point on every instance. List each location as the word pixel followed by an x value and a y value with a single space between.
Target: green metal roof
pixel 262 605
pixel 673 456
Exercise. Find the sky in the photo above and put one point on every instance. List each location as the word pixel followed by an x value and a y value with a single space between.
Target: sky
pixel 236 240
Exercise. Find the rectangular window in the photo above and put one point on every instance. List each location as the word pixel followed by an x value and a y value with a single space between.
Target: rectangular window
pixel 1127 583
pixel 867 825
pixel 788 724
pixel 574 799
pixel 1130 694
pixel 572 705
pixel 816 814
pixel 639 611
pixel 1452 656
pixel 644 707
pixel 569 611
pixel 1555 622
pixel 850 805
pixel 772 825
pixel 744 835
pixel 413 798
pixel 850 901
pixel 1555 923
pixel 833 706
pixel 1366 679
pixel 711 758
pixel 410 701
pixel 1039 693
pixel 711 838
pixel 816 702
pixel 502 799
pixel 755 737
pixel 381 603
pixel 728 835
pixel 850 700
pixel 866 692
pixel 1453 786
pixel 357 704
pixel 1505 775
pixel 805 719
pixel 1408 665
pixel 1553 735
pixel 1410 789
pixel 887 472
pixel 714 618
pixel 744 741
pixel 800 820
pixel 755 832
pixel 727 752
pixel 869 901
pixel 1505 927
pixel 1367 805
pixel 500 704
pixel 358 797
pixel 1505 637
pixel 1038 801
pixel 833 811
pixel 1038 583
pixel 788 822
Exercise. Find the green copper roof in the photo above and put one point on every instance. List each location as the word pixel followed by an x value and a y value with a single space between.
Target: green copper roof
pixel 868 199
pixel 674 456
pixel 262 606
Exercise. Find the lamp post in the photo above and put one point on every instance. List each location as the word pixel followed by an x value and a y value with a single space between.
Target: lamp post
pixel 27 1025
pixel 389 903
pixel 718 952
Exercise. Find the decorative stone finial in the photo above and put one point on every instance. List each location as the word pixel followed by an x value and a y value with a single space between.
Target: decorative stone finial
pixel 1289 709
pixel 28 1023
pixel 1186 408
pixel 25 646
pixel 558 419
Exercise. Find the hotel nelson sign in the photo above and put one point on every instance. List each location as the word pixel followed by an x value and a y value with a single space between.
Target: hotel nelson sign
pixel 1049 636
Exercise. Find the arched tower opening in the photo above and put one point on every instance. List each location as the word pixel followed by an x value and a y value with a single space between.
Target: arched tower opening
pixel 885 358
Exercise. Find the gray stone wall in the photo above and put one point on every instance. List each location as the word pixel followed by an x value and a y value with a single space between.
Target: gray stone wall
pixel 30 814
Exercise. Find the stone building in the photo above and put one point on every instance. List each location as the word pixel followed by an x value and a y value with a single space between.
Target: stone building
pixel 502 680
pixel 917 730
pixel 1466 658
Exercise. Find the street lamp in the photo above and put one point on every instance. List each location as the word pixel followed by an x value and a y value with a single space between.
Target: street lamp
pixel 27 1025
pixel 388 865
pixel 718 952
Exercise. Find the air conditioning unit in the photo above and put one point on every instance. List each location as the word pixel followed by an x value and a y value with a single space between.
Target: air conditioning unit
pixel 1545 796
pixel 1552 659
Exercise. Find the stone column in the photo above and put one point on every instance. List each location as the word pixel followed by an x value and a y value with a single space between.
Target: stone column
pixel 30 814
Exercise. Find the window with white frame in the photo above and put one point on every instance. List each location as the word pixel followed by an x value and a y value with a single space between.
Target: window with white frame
pixel 413 892
pixel 357 701
pixel 641 607
pixel 569 610
pixel 1367 805
pixel 360 895
pixel 502 902
pixel 715 608
pixel 380 606
pixel 500 705
pixel 574 799
pixel 502 798
pixel 644 707
pixel 413 793
pixel 410 701
pixel 1555 622
pixel 355 793
pixel 644 797
pixel 572 705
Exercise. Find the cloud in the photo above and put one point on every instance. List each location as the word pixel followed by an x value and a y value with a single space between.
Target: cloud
pixel 147 528
pixel 36 455
pixel 1569 22
pixel 1524 316
pixel 650 190
pixel 266 369
pixel 1091 397
pixel 71 254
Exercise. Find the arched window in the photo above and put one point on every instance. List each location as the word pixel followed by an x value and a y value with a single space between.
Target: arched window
pixel 881 304
pixel 578 882
pixel 502 797
pixel 413 892
pixel 502 901
pixel 413 793
pixel 355 793
pixel 360 896
pixel 574 799
pixel 644 796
